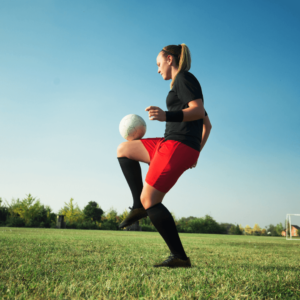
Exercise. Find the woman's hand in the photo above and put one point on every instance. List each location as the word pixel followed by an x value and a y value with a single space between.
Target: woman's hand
pixel 156 113
pixel 194 165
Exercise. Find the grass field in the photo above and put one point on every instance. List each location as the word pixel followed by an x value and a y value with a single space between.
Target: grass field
pixel 83 264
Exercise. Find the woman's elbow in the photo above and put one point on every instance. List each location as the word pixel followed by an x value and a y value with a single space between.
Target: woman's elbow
pixel 201 114
pixel 207 126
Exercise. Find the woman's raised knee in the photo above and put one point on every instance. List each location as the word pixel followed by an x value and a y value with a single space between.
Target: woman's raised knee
pixel 121 151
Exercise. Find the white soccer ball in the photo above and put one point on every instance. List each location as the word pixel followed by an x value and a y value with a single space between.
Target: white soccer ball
pixel 132 127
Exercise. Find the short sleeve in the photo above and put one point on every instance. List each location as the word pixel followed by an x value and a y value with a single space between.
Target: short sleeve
pixel 187 87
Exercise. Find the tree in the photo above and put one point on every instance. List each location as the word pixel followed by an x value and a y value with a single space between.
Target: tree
pixel 183 224
pixel 174 217
pixel 11 207
pixel 3 213
pixel 123 215
pixel 248 229
pixel 242 228
pixel 279 229
pixel 184 220
pixel 28 210
pixel 272 229
pixel 204 225
pixel 72 212
pixel 235 229
pixel 112 214
pixel 51 218
pixel 93 212
pixel 111 220
pixel 13 219
pixel 146 221
pixel 256 229
pixel 227 226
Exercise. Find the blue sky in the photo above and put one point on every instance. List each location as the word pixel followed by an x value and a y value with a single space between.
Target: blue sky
pixel 71 70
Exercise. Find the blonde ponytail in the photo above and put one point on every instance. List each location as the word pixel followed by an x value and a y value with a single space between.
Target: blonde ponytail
pixel 182 57
pixel 185 59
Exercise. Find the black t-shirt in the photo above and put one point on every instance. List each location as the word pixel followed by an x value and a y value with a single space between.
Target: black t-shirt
pixel 185 89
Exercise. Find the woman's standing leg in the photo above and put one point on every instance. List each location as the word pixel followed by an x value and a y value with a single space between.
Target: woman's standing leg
pixel 163 221
pixel 169 162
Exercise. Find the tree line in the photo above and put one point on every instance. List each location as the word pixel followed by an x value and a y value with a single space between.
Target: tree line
pixel 30 212
pixel 270 230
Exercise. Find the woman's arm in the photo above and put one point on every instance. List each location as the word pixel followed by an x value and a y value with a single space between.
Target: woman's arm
pixel 206 131
pixel 195 111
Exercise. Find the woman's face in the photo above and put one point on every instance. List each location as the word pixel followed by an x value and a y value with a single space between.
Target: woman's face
pixel 164 66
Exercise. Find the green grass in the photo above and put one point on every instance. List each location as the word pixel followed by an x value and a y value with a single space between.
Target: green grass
pixel 83 264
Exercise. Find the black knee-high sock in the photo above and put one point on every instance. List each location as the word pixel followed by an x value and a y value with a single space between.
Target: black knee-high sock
pixel 165 225
pixel 133 174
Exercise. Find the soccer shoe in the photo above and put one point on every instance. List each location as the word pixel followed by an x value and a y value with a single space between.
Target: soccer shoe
pixel 134 215
pixel 174 262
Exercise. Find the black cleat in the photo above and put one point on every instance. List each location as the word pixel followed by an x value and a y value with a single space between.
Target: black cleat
pixel 134 215
pixel 174 262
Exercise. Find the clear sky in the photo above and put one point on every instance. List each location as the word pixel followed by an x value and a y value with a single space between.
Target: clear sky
pixel 71 70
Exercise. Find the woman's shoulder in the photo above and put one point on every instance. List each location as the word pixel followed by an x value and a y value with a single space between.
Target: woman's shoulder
pixel 185 76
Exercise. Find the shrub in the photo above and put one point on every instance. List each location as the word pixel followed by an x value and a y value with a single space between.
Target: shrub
pixel 180 228
pixel 145 221
pixel 72 225
pixel 4 214
pixel 15 221
pixel 196 226
pixel 227 226
pixel 148 228
pixel 200 225
pixel 31 211
pixel 53 225
pixel 264 232
pixel 109 225
pixel 235 229
pixel 87 225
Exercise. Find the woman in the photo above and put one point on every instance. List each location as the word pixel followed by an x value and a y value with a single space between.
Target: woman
pixel 187 129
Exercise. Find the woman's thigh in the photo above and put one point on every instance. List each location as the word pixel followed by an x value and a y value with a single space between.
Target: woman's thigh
pixel 170 161
pixel 134 150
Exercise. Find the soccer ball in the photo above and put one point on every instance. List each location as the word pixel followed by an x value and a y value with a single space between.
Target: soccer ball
pixel 132 127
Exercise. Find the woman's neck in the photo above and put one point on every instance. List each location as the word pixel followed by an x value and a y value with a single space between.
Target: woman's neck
pixel 174 72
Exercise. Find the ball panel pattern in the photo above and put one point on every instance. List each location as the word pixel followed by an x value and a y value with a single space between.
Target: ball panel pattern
pixel 132 127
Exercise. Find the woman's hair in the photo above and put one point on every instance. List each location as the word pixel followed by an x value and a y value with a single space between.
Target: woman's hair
pixel 182 56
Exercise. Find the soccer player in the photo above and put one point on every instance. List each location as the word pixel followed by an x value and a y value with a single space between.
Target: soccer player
pixel 187 130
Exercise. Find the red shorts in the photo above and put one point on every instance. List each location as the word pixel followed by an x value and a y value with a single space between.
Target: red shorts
pixel 168 160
